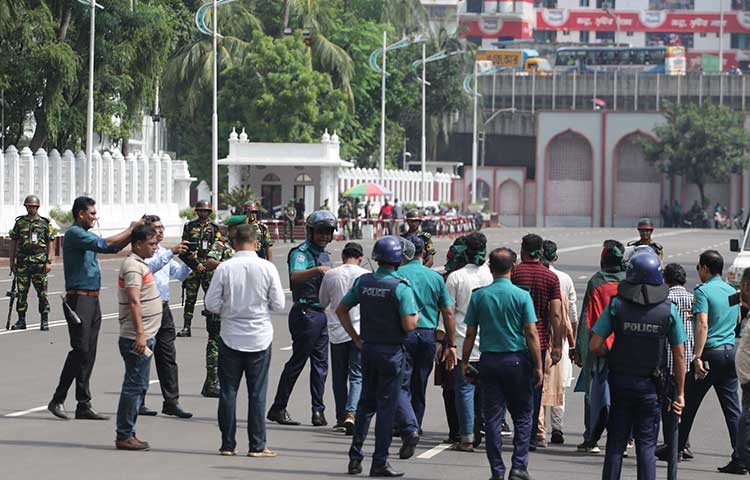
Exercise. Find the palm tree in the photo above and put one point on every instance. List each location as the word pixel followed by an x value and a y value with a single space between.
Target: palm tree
pixel 408 16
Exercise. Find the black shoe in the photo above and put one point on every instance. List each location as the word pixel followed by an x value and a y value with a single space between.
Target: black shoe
pixel 355 467
pixel 318 419
pixel 147 412
pixel 44 324
pixel 410 441
pixel 281 417
pixel 384 471
pixel 210 390
pixel 90 414
pixel 57 410
pixel 19 325
pixel 662 453
pixel 557 437
pixel 175 410
pixel 518 474
pixel 734 467
pixel 687 454
pixel 184 333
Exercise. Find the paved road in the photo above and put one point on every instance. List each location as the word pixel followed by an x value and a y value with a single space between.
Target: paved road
pixel 33 444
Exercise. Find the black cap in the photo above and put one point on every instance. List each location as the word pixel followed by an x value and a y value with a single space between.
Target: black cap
pixel 353 249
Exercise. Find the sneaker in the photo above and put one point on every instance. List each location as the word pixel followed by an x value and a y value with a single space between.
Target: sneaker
pixel 228 453
pixel 349 423
pixel 339 427
pixel 265 453
pixel 734 467
pixel 588 448
pixel 506 431
pixel 557 437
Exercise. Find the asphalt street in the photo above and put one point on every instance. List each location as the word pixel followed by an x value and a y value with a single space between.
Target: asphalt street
pixel 35 445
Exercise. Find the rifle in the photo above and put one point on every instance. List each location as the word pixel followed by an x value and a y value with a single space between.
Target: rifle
pixel 12 294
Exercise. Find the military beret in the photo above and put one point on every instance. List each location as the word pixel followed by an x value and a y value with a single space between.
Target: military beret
pixel 235 220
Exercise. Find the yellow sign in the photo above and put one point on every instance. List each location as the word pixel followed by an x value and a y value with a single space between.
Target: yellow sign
pixel 502 58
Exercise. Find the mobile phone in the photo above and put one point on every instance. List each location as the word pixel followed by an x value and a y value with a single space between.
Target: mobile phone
pixel 192 246
pixel 734 299
pixel 146 353
pixel 471 373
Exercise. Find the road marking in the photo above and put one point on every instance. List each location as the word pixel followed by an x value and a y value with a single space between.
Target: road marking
pixel 285 349
pixel 435 450
pixel 599 245
pixel 26 412
pixel 582 277
pixel 151 382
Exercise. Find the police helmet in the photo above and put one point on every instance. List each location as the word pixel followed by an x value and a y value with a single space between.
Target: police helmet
pixel 418 243
pixel 407 249
pixel 321 219
pixel 251 207
pixel 31 201
pixel 645 223
pixel 644 268
pixel 413 214
pixel 202 205
pixel 388 249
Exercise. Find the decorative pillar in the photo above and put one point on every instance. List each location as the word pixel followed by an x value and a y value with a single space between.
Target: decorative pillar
pixel 144 194
pixel 12 172
pixel 80 169
pixel 120 177
pixel 155 179
pixel 132 179
pixel 26 174
pixel 167 179
pixel 108 179
pixel 41 176
pixel 69 178
pixel 55 179
pixel 96 176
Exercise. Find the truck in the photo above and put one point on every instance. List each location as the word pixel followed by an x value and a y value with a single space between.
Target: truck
pixel 526 61
pixel 742 247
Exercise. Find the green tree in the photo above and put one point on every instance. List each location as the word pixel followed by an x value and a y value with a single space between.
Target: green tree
pixel 701 143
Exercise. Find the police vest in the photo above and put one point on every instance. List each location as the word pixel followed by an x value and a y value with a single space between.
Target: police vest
pixel 307 291
pixel 380 318
pixel 640 337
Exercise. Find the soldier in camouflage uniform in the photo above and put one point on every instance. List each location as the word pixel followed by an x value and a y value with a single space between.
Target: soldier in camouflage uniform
pixel 220 251
pixel 645 229
pixel 264 235
pixel 202 232
pixel 414 220
pixel 290 213
pixel 31 260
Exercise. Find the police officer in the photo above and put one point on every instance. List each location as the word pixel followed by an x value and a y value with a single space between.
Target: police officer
pixel 201 233
pixel 307 320
pixel 31 260
pixel 433 300
pixel 289 215
pixel 220 251
pixel 643 319
pixel 414 221
pixel 264 236
pixel 645 229
pixel 388 311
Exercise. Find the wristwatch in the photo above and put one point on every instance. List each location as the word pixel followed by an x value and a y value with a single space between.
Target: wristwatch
pixel 452 346
pixel 49 261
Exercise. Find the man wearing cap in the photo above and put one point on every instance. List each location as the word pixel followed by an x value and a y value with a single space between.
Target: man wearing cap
pixel 346 362
pixel 200 233
pixel 414 221
pixel 31 260
pixel 289 215
pixel 388 313
pixel 264 235
pixel 433 300
pixel 220 251
pixel 645 229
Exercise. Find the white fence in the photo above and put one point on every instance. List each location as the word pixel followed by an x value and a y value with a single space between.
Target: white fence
pixel 405 185
pixel 124 187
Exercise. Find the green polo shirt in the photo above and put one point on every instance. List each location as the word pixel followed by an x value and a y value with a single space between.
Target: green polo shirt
pixel 407 304
pixel 500 310
pixel 676 334
pixel 429 288
pixel 712 297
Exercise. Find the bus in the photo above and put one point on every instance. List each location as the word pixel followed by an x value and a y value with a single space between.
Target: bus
pixel 669 60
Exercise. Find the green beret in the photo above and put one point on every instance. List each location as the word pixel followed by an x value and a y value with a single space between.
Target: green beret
pixel 235 220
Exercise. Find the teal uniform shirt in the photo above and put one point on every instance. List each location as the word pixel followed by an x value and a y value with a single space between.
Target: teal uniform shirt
pixel 501 310
pixel 429 288
pixel 712 298
pixel 676 334
pixel 300 258
pixel 407 303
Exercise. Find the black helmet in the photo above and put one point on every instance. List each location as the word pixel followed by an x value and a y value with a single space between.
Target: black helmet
pixel 31 201
pixel 413 214
pixel 202 205
pixel 645 223
pixel 321 219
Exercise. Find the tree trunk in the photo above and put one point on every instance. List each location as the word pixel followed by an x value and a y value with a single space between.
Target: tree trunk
pixel 287 8
pixel 64 24
pixel 701 190
pixel 39 140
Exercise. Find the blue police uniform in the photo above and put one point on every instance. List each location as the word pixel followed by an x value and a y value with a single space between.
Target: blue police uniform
pixel 641 331
pixel 308 327
pixel 384 297
pixel 432 295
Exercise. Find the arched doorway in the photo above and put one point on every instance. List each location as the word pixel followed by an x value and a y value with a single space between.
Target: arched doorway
pixel 304 195
pixel 509 203
pixel 637 184
pixel 484 193
pixel 270 192
pixel 569 187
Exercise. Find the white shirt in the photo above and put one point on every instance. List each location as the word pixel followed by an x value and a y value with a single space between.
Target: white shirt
pixel 460 284
pixel 243 292
pixel 742 356
pixel 336 283
pixel 165 267
pixel 568 291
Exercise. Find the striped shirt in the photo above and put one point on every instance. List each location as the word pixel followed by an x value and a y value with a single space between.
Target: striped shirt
pixel 684 301
pixel 544 286
pixel 134 273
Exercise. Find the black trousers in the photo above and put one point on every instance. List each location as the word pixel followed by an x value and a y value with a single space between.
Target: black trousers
pixel 165 357
pixel 83 340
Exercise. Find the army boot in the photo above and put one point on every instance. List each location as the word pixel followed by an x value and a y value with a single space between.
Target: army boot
pixel 185 332
pixel 44 324
pixel 211 387
pixel 21 323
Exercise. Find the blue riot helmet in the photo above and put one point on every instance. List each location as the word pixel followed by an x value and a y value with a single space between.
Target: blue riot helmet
pixel 320 220
pixel 645 267
pixel 418 243
pixel 388 250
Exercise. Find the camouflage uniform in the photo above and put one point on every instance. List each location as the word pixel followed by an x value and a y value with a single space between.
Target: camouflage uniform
pixel 656 247
pixel 33 237
pixel 264 238
pixel 204 235
pixel 220 251
pixel 290 213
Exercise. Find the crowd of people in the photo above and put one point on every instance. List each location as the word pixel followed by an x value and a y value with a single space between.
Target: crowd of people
pixel 499 329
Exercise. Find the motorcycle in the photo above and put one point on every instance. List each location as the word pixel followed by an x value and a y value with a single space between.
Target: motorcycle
pixel 721 220
pixel 739 220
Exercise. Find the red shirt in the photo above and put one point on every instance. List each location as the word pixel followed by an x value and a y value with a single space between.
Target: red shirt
pixel 386 211
pixel 598 301
pixel 544 286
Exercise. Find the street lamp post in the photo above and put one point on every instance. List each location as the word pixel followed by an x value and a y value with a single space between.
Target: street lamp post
pixel 90 108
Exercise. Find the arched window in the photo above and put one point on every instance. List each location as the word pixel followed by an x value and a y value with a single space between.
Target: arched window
pixel 271 177
pixel 303 178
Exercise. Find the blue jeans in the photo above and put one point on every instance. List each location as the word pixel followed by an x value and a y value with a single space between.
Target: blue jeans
pixel 723 377
pixel 507 381
pixel 420 358
pixel 635 407
pixel 382 371
pixel 232 365
pixel 134 386
pixel 467 402
pixel 346 373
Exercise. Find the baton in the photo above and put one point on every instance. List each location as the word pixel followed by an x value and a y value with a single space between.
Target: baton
pixel 70 313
